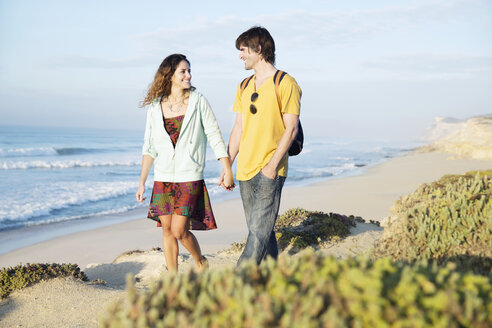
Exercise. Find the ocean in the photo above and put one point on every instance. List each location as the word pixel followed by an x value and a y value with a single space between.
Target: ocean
pixel 53 175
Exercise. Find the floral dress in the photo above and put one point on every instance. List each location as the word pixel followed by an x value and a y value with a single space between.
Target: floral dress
pixel 188 199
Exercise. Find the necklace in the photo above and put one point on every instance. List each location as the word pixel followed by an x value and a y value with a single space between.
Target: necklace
pixel 176 104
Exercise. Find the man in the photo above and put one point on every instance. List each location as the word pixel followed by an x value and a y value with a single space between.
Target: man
pixel 262 134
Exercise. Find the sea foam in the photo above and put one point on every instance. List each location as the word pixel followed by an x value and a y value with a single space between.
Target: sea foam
pixel 40 201
pixel 24 165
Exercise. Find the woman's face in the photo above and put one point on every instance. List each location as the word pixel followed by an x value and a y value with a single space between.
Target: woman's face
pixel 182 76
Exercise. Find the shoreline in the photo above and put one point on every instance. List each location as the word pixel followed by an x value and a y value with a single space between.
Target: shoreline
pixel 21 237
pixel 369 195
pixel 107 258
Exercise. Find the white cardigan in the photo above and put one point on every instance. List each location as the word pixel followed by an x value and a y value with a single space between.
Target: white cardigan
pixel 187 161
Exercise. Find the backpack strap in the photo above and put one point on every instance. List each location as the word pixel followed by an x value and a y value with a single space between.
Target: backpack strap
pixel 277 78
pixel 245 83
pixel 296 146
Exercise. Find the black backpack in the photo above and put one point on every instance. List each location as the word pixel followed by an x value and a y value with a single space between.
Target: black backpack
pixel 296 146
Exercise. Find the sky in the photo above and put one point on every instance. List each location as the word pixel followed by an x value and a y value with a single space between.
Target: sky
pixel 379 70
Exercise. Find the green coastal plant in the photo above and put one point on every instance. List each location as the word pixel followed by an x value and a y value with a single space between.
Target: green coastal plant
pixel 235 248
pixel 20 276
pixel 309 290
pixel 447 220
pixel 298 228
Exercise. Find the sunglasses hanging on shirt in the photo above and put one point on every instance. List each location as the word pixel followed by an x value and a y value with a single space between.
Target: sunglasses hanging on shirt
pixel 252 107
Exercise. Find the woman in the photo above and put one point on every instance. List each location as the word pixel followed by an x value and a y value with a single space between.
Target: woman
pixel 179 123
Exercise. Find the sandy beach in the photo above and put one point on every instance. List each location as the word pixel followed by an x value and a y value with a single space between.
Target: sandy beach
pixel 98 251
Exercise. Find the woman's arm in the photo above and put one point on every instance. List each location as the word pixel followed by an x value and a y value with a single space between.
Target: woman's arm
pixel 226 177
pixel 211 129
pixel 148 155
pixel 235 138
pixel 147 162
pixel 233 148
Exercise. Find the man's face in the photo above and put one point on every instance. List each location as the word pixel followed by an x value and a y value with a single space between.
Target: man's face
pixel 249 57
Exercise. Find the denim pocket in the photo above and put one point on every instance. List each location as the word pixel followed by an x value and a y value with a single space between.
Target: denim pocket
pixel 267 178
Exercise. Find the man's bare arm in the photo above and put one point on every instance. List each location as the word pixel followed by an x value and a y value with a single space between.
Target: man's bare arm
pixel 290 123
pixel 233 147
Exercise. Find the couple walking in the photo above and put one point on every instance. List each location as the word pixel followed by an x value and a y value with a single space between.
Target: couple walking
pixel 180 122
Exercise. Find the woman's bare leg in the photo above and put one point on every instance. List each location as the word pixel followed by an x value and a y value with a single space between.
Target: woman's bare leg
pixel 179 228
pixel 169 244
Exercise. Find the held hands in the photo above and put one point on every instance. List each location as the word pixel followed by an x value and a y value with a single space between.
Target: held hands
pixel 226 180
pixel 139 194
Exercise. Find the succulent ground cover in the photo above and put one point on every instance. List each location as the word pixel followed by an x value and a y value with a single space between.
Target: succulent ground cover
pixel 447 220
pixel 20 276
pixel 431 269
pixel 298 228
pixel 309 290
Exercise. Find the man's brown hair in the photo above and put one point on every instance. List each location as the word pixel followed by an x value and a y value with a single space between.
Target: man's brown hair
pixel 259 40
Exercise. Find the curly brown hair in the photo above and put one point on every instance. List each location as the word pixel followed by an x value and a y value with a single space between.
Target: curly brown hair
pixel 161 86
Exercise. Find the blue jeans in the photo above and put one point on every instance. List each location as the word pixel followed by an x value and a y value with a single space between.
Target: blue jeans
pixel 261 201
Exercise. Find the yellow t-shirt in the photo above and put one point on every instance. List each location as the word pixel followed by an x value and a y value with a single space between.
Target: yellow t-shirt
pixel 262 131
